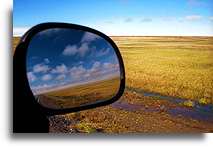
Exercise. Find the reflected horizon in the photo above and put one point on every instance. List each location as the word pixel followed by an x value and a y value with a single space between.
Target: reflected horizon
pixel 61 58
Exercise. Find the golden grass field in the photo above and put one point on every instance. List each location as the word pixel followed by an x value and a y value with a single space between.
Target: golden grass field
pixel 174 66
pixel 170 66
pixel 80 95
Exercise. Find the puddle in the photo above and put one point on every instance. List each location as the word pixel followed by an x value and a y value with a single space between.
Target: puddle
pixel 198 111
pixel 191 113
pixel 156 95
pixel 127 106
pixel 133 107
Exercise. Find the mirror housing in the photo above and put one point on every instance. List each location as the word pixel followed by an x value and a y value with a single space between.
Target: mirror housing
pixel 21 61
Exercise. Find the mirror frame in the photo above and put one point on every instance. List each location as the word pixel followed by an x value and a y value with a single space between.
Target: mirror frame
pixel 21 54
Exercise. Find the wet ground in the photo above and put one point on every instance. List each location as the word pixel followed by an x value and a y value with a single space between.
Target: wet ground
pixel 202 112
pixel 139 112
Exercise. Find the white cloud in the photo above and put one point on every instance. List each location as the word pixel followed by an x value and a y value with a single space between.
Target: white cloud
pixel 40 68
pixel 83 49
pixel 46 77
pixel 31 76
pixel 70 50
pixel 73 50
pixel 110 66
pixel 61 77
pixel 193 17
pixel 95 70
pixel 211 18
pixel 99 70
pixel 96 66
pixel 60 69
pixel 76 72
pixel 89 37
pixel 87 75
pixel 158 27
pixel 50 32
pixel 102 70
pixel 19 31
pixel 41 88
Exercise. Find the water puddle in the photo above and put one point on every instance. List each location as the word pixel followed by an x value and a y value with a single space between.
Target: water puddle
pixel 198 111
pixel 126 106
pixel 191 113
pixel 133 107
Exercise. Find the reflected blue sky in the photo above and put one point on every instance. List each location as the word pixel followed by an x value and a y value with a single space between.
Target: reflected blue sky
pixel 60 57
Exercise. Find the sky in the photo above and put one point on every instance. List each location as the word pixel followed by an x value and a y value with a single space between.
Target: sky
pixel 120 17
pixel 59 58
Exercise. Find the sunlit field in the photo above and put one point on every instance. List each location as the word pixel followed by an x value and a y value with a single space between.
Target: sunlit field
pixel 174 66
pixel 169 88
pixel 80 95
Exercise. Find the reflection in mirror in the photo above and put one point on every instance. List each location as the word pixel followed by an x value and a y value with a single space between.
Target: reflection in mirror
pixel 69 68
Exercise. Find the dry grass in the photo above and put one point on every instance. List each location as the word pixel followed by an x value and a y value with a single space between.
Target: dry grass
pixel 113 120
pixel 81 95
pixel 174 66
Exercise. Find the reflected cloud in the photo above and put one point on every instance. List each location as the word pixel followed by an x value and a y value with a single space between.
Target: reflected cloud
pixel 83 49
pixel 60 69
pixel 74 50
pixel 89 37
pixel 61 77
pixel 40 68
pixel 31 76
pixel 75 60
pixel 49 32
pixel 70 50
pixel 46 77
pixel 77 72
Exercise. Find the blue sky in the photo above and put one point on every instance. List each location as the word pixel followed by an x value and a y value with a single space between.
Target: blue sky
pixel 49 64
pixel 120 17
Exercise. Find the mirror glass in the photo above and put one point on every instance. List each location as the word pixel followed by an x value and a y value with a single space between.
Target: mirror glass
pixel 69 68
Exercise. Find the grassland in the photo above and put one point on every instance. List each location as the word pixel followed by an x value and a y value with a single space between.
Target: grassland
pixel 80 95
pixel 171 66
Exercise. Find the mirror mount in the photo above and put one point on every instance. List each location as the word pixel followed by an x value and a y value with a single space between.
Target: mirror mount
pixel 26 112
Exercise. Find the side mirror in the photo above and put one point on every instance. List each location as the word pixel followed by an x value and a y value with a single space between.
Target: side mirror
pixel 71 68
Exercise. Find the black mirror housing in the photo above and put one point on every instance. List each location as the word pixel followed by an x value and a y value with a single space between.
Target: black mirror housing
pixel 24 98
